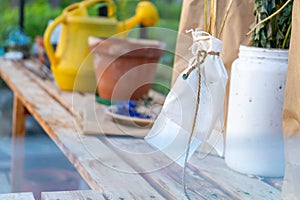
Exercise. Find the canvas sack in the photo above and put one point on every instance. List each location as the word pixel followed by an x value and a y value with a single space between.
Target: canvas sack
pixel 291 113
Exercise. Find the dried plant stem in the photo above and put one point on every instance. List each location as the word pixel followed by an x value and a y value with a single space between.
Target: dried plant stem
pixel 225 18
pixel 286 36
pixel 266 19
pixel 205 16
pixel 213 13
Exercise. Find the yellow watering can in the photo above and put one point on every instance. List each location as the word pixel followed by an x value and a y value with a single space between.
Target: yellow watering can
pixel 70 62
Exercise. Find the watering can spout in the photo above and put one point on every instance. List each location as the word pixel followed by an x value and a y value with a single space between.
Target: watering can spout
pixel 145 14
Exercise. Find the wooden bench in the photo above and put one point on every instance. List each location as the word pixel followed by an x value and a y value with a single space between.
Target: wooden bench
pixel 17 196
pixel 116 166
pixel 64 195
pixel 73 195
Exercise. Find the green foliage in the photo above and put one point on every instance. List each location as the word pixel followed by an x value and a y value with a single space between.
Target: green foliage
pixel 37 15
pixel 125 8
pixel 172 11
pixel 65 3
pixel 274 33
pixel 9 17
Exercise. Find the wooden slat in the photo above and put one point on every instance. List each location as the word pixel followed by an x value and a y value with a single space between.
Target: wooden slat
pixel 17 196
pixel 17 164
pixel 246 187
pixel 168 181
pixel 65 98
pixel 212 170
pixel 5 185
pixel 164 173
pixel 59 124
pixel 19 118
pixel 73 195
pixel 18 134
pixel 99 160
pixel 161 181
pixel 275 182
pixel 5 163
pixel 87 112
pixel 96 122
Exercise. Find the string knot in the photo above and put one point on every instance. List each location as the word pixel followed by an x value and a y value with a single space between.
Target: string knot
pixel 201 55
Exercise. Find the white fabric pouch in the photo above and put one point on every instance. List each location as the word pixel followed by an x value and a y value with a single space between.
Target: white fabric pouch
pixel 173 127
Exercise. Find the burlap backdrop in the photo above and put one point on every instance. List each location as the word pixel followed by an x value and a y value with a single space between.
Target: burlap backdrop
pixel 239 19
pixel 237 25
pixel 291 113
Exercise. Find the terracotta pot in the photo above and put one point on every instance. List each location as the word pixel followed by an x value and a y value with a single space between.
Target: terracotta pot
pixel 125 68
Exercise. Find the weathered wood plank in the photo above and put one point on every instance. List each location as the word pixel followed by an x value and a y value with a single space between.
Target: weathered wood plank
pixel 246 187
pixel 87 112
pixel 96 122
pixel 211 170
pixel 18 134
pixel 171 185
pixel 18 144
pixel 236 190
pixel 275 182
pixel 17 164
pixel 162 172
pixel 5 185
pixel 59 124
pixel 207 179
pixel 65 98
pixel 73 195
pixel 19 118
pixel 17 196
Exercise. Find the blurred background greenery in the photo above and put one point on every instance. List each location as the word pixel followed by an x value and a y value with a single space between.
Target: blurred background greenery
pixel 39 12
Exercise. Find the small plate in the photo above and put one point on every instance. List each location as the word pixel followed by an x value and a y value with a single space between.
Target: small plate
pixel 126 120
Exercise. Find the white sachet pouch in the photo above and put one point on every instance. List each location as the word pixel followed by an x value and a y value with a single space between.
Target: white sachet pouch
pixel 175 124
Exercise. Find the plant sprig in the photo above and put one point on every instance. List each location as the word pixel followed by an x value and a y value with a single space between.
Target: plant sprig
pixel 213 16
pixel 272 25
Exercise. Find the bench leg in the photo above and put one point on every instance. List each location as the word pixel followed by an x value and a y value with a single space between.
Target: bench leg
pixel 18 134
pixel 19 118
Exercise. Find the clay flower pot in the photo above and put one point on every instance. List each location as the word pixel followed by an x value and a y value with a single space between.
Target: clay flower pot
pixel 124 68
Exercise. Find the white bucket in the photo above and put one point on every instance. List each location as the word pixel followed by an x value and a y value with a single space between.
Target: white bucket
pixel 254 139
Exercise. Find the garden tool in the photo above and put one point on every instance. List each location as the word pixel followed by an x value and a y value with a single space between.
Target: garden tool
pixel 71 64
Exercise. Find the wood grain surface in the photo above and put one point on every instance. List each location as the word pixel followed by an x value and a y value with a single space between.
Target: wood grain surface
pixel 17 196
pixel 73 195
pixel 125 167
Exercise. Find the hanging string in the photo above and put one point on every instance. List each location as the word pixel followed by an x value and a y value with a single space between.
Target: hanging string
pixel 199 60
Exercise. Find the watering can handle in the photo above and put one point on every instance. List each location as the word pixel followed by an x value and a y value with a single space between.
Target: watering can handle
pixel 110 7
pixel 47 44
pixel 47 35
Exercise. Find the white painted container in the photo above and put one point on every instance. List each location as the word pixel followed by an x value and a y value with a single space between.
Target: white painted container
pixel 254 139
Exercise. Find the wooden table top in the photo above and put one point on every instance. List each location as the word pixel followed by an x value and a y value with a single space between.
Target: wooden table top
pixel 122 167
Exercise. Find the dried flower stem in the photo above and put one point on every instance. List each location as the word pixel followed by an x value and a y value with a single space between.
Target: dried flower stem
pixel 286 36
pixel 225 18
pixel 205 16
pixel 266 19
pixel 213 14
